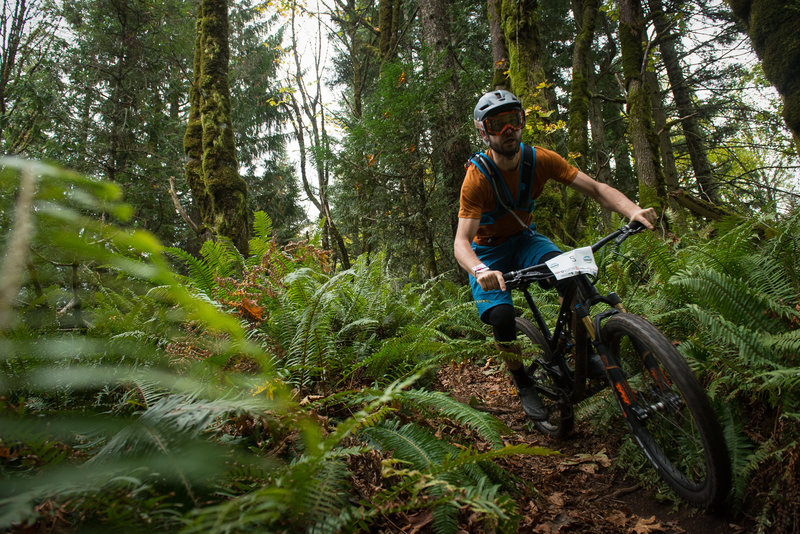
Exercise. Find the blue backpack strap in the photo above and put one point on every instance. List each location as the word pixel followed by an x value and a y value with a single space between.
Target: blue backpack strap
pixel 490 171
pixel 526 171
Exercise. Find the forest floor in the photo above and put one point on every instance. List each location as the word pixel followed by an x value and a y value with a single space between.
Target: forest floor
pixel 581 490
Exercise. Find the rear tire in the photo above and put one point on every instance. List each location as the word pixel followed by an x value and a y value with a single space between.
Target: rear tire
pixel 670 414
pixel 553 389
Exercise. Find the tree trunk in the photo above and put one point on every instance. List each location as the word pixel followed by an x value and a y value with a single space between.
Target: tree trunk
pixel 13 25
pixel 227 189
pixel 124 93
pixel 450 143
pixel 772 26
pixel 212 172
pixel 193 142
pixel 687 112
pixel 520 20
pixel 652 190
pixel 521 30
pixel 601 153
pixel 388 26
pixel 585 12
pixel 310 107
pixel 664 144
pixel 499 51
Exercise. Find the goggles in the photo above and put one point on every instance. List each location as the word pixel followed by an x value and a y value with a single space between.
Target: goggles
pixel 498 124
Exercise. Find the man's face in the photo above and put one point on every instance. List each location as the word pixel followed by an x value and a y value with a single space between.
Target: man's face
pixel 504 132
pixel 506 144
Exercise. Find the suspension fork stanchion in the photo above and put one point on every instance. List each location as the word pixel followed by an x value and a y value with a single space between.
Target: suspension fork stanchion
pixel 616 377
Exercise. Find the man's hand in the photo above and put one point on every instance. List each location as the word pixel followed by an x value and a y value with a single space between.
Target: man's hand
pixel 647 217
pixel 491 280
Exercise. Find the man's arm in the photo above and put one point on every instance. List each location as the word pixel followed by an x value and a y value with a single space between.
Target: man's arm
pixel 613 199
pixel 467 259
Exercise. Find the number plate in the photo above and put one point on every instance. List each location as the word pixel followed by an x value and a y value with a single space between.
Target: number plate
pixel 580 260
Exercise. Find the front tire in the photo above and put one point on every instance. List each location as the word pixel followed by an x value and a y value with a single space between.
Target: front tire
pixel 670 414
pixel 552 388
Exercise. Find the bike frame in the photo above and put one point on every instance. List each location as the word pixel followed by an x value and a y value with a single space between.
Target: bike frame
pixel 668 396
pixel 577 302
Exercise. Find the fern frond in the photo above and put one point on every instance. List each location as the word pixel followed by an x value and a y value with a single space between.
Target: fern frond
pixel 470 456
pixel 740 448
pixel 730 297
pixel 445 518
pixel 780 383
pixel 410 443
pixel 747 468
pixel 750 345
pixel 202 275
pixel 325 495
pixel 262 225
pixel 487 426
pixel 786 343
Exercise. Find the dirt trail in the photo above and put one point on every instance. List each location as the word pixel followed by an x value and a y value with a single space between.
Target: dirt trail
pixel 580 490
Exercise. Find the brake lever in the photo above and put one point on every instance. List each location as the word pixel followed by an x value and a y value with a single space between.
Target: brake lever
pixel 634 227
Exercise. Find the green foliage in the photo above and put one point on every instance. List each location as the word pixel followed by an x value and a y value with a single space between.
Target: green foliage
pixel 731 295
pixel 75 377
pixel 169 409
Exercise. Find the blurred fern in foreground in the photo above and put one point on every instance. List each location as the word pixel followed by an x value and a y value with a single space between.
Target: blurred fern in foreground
pixel 136 398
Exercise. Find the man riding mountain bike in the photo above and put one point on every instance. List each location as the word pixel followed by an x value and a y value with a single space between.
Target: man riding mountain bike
pixel 495 233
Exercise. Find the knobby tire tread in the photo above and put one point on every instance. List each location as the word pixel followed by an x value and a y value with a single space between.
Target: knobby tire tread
pixel 715 486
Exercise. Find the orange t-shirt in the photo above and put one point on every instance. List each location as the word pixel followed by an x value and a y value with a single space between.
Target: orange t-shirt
pixel 478 198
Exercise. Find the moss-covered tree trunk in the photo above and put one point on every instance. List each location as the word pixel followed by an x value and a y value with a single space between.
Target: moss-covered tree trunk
pixel 388 28
pixel 665 145
pixel 585 13
pixel 215 182
pixel 652 189
pixel 520 22
pixel 193 143
pixel 499 51
pixel 684 101
pixel 220 168
pixel 772 26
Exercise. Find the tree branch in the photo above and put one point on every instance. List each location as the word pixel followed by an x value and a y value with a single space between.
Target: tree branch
pixel 179 208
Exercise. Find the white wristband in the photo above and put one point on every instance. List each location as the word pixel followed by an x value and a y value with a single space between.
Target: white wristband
pixel 479 269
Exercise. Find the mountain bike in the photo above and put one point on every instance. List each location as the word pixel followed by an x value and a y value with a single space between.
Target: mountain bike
pixel 666 409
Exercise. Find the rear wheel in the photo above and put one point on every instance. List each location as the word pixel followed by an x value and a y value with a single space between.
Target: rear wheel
pixel 668 411
pixel 550 382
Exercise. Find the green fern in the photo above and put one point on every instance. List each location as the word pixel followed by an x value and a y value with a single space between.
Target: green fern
pixel 202 274
pixel 732 298
pixel 487 426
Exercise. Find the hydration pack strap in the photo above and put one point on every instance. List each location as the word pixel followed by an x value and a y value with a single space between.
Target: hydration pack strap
pixel 504 200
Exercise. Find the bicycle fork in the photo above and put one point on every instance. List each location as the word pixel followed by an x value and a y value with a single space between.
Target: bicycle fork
pixel 625 395
pixel 662 397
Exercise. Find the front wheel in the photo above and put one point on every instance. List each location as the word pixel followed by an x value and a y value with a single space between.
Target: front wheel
pixel 550 379
pixel 668 411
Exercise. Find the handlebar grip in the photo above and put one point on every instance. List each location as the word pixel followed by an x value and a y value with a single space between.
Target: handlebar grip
pixel 635 226
pixel 628 230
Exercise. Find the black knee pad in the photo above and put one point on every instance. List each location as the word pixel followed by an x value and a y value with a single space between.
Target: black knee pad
pixel 502 318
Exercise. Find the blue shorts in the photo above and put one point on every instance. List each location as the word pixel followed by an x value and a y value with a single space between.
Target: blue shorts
pixel 521 250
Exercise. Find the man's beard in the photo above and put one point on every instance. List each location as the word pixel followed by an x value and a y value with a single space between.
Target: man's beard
pixel 509 153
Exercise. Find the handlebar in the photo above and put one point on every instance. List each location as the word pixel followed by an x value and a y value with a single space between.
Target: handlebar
pixel 541 271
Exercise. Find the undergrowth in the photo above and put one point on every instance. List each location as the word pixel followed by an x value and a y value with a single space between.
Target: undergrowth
pixel 145 388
